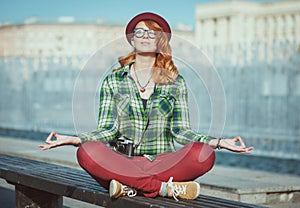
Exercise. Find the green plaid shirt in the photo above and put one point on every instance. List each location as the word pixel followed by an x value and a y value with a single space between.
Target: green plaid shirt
pixel 121 112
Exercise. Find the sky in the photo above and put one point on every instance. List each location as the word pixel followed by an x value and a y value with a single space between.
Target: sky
pixel 117 12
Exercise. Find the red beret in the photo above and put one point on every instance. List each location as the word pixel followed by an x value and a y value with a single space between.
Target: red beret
pixel 147 16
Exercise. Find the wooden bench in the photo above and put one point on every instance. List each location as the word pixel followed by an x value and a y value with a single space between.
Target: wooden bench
pixel 40 184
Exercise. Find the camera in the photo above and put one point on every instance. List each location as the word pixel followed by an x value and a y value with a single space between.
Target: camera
pixel 123 145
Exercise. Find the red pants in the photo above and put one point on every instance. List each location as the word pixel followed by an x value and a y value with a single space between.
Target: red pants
pixel 186 164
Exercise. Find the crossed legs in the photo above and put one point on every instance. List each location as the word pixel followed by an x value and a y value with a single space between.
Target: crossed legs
pixel 186 164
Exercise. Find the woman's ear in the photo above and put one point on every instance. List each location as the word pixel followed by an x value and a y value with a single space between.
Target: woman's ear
pixel 132 42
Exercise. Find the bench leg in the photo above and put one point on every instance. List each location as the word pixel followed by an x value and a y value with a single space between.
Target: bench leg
pixel 31 198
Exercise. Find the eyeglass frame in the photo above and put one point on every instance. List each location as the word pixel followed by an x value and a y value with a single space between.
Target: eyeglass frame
pixel 144 31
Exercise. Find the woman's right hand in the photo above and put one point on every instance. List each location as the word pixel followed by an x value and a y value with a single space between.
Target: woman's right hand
pixel 59 140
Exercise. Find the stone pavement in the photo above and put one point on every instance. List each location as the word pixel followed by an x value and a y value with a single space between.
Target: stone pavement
pixel 256 187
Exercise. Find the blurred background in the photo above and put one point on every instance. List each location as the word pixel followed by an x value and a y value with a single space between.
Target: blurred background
pixel 253 45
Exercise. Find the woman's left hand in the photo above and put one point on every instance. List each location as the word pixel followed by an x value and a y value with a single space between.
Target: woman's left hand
pixel 235 145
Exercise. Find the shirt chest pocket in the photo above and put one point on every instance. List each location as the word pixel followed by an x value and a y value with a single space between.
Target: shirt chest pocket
pixel 122 102
pixel 165 105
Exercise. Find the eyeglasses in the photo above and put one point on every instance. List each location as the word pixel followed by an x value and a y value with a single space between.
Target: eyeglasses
pixel 140 32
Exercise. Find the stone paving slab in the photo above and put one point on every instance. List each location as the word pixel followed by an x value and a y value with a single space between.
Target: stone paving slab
pixel 257 187
pixel 245 181
pixel 29 149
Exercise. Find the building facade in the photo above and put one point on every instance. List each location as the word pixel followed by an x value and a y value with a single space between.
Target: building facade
pixel 256 30
pixel 57 39
pixel 33 40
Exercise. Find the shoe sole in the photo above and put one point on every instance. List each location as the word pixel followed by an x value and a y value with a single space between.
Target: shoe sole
pixel 112 188
pixel 198 190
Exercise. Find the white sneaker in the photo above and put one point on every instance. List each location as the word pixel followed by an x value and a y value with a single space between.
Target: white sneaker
pixel 182 190
pixel 116 189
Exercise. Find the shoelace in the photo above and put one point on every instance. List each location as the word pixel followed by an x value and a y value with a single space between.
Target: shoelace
pixel 176 189
pixel 130 191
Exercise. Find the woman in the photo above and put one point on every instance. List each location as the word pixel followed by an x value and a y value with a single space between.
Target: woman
pixel 144 102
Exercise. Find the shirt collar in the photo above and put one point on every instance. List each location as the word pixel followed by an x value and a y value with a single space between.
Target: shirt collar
pixel 127 69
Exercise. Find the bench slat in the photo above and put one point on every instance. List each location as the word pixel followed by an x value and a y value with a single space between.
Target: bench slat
pixel 78 184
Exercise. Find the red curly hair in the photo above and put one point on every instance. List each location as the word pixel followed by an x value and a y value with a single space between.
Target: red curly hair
pixel 163 71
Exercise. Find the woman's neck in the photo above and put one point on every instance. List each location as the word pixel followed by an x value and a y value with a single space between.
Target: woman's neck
pixel 143 61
